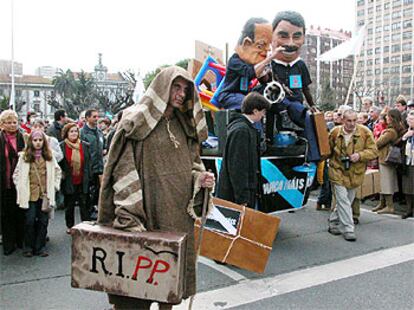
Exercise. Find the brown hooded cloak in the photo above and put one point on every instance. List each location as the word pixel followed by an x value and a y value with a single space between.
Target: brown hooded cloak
pixel 149 182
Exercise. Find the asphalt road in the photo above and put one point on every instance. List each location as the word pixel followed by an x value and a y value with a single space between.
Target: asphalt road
pixel 308 269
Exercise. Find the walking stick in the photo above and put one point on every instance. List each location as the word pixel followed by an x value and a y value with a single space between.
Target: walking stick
pixel 200 234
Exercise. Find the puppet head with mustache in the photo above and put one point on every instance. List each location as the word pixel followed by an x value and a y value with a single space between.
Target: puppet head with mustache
pixel 289 32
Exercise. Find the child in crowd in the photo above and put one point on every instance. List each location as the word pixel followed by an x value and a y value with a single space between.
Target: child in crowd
pixel 37 177
pixel 380 126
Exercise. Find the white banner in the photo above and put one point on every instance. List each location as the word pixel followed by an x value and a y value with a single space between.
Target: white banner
pixel 350 47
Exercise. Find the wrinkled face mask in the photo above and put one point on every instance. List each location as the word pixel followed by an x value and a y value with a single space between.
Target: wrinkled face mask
pixel 253 52
pixel 289 36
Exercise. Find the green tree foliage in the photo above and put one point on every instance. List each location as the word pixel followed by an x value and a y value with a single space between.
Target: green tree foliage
pixel 78 92
pixel 327 101
pixel 151 75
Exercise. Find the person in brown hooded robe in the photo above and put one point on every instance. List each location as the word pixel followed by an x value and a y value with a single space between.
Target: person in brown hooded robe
pixel 154 174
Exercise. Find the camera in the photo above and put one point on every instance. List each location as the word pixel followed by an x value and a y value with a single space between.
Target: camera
pixel 346 162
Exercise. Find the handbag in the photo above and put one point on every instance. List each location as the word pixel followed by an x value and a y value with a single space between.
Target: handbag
pixel 46 207
pixel 394 156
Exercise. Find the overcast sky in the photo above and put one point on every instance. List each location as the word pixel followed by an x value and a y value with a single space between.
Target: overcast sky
pixel 142 35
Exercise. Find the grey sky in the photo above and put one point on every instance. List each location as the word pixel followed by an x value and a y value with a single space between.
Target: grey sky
pixel 141 34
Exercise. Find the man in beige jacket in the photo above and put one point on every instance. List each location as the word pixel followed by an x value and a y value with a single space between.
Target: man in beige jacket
pixel 352 146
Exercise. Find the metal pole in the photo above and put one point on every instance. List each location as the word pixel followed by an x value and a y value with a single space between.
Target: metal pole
pixel 12 95
pixel 356 59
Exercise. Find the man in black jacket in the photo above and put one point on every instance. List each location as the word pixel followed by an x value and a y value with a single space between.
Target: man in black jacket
pixel 56 129
pixel 240 170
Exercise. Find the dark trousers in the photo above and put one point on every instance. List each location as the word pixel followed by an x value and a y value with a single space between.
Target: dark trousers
pixel 12 218
pixel 231 101
pixel 325 195
pixel 70 201
pixel 35 227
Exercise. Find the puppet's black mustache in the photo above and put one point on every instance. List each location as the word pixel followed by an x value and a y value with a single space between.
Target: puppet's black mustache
pixel 290 48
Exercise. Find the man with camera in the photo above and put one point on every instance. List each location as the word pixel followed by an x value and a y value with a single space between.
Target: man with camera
pixel 352 146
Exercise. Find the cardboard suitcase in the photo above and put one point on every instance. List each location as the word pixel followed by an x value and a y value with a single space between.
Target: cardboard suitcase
pixel 322 133
pixel 238 236
pixel 147 265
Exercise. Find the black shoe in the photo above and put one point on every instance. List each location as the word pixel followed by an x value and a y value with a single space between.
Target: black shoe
pixel 356 221
pixel 406 215
pixel 8 251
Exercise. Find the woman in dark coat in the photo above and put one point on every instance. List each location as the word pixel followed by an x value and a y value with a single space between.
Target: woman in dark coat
pixel 408 176
pixel 76 173
pixel 12 217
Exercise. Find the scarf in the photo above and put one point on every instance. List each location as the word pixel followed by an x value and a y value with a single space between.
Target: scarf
pixel 75 162
pixel 11 158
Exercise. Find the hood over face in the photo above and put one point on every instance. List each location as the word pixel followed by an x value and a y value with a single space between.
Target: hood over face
pixel 140 119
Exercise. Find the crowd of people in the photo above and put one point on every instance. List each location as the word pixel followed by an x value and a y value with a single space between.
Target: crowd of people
pixel 366 138
pixel 42 163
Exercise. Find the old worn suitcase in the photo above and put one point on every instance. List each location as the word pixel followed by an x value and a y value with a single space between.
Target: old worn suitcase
pixel 238 236
pixel 147 265
pixel 322 133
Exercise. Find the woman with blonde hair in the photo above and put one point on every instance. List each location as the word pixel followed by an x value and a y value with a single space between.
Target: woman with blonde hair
pixel 388 172
pixel 37 177
pixel 12 217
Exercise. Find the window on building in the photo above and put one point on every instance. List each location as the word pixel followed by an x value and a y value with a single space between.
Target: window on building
pixel 396 26
pixel 408 13
pixel 407 46
pixel 386 70
pixel 369 41
pixel 407 35
pixel 395 48
pixel 395 37
pixel 407 23
pixel 377 61
pixel 360 12
pixel 386 49
pixel 36 106
pixel 395 59
pixel 378 40
pixel 406 80
pixel 406 57
pixel 386 60
pixel 396 14
pixel 386 5
pixel 361 22
pixel 369 72
pixel 405 2
pixel 406 69
pixel 369 62
pixel 369 52
pixel 396 3
pixel 377 50
pixel 386 38
pixel 395 69
pixel 386 16
pixel 370 31
pixel 370 10
pixel 377 71
pixel 378 8
pixel 36 93
pixel 386 27
pixel 378 29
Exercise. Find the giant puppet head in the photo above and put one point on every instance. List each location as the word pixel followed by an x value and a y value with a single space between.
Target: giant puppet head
pixel 254 42
pixel 289 32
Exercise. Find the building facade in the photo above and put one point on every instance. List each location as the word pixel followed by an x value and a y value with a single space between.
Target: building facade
pixel 336 74
pixel 6 67
pixel 31 93
pixel 386 63
pixel 46 71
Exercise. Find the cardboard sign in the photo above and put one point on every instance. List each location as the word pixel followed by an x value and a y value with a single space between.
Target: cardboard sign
pixel 250 247
pixel 147 265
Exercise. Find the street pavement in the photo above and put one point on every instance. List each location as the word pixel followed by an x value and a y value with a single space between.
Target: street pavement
pixel 308 269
